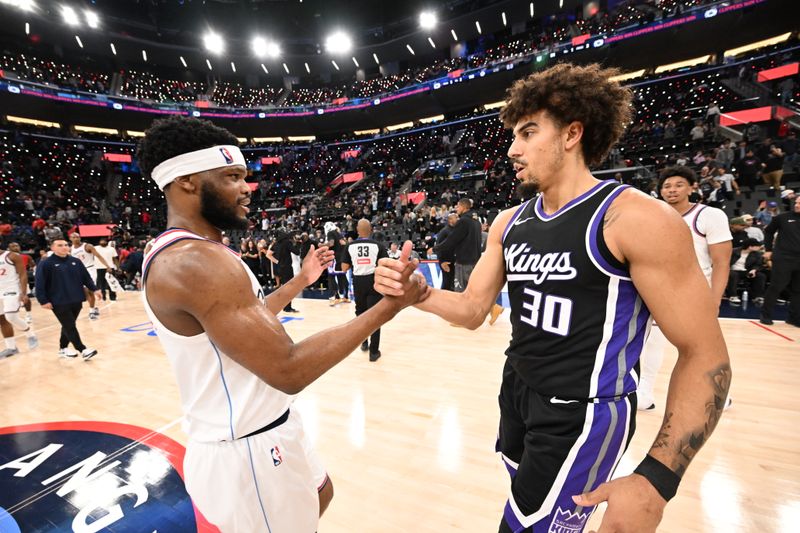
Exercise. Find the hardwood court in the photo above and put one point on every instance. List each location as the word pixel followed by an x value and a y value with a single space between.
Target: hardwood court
pixel 409 440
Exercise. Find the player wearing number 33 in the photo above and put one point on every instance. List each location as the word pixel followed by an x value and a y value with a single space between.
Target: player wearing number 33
pixel 587 263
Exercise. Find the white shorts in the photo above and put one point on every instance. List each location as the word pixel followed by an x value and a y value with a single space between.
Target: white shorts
pixel 266 483
pixel 11 303
pixel 92 274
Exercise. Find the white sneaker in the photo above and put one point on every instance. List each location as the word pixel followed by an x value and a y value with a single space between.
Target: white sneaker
pixel 88 353
pixel 29 319
pixel 94 314
pixel 33 342
pixel 8 352
pixel 67 352
pixel 734 300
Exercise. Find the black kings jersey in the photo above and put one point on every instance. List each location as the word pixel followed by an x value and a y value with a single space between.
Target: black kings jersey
pixel 578 323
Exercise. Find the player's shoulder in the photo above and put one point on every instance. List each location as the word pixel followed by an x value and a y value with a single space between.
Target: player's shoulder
pixel 639 211
pixel 192 258
pixel 711 215
pixel 504 217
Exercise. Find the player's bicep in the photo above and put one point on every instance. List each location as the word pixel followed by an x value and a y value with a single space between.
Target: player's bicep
pixel 665 272
pixel 720 253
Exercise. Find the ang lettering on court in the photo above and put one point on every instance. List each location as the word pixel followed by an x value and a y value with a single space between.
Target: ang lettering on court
pixel 93 476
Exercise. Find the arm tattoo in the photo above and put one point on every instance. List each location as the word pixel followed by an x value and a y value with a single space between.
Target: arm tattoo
pixel 686 447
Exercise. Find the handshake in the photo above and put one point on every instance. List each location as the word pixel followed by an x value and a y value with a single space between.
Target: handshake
pixel 398 280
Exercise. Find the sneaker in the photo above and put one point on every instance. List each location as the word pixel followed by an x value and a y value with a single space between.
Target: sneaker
pixel 365 346
pixel 345 300
pixel 66 352
pixel 33 342
pixel 758 301
pixel 8 352
pixel 29 319
pixel 94 314
pixel 332 301
pixel 374 356
pixel 734 300
pixel 728 403
pixel 88 353
pixel 766 321
pixel 793 323
pixel 781 302
pixel 291 310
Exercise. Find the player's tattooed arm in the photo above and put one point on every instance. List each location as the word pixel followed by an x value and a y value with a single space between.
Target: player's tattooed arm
pixel 677 449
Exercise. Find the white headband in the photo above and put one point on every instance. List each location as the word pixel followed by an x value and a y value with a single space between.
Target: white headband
pixel 197 161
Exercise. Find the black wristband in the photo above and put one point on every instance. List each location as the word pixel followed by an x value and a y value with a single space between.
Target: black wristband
pixel 662 478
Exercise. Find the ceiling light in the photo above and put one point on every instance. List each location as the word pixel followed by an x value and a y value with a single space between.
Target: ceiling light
pixel 113 49
pixel 338 43
pixel 25 5
pixel 453 33
pixel 286 68
pixel 144 55
pixel 375 56
pixel 80 43
pixel 264 69
pixel 208 64
pixel 531 9
pixel 183 62
pixel 334 64
pixel 233 66
pixel 92 19
pixel 69 16
pixel 478 27
pixel 262 47
pixel 427 20
pixel 505 22
pixel 27 28
pixel 355 62
pixel 213 42
pixel 410 49
pixel 308 69
pixel 431 41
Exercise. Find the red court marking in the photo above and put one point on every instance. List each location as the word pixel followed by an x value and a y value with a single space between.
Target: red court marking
pixel 762 326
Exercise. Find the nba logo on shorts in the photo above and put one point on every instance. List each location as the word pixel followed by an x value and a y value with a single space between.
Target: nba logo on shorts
pixel 276 456
pixel 567 522
pixel 227 155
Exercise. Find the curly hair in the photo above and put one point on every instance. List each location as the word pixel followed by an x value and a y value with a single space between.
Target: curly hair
pixel 568 93
pixel 176 135
pixel 670 172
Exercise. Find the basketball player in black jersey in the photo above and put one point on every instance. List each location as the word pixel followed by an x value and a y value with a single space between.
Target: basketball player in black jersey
pixel 587 262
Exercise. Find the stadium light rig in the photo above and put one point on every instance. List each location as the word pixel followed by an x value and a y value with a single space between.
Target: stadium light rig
pixel 92 19
pixel 213 42
pixel 24 5
pixel 427 20
pixel 262 47
pixel 70 16
pixel 338 43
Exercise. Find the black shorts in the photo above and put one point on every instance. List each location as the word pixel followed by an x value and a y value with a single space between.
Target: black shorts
pixel 555 449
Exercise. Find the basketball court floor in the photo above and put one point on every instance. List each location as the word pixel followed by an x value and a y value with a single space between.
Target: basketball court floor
pixel 408 440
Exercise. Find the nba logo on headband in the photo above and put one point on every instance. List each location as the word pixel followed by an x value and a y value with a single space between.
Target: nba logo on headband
pixel 227 155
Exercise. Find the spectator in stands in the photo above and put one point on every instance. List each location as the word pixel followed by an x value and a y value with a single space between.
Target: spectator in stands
pixel 724 156
pixel 698 133
pixel 785 263
pixel 728 182
pixel 445 259
pixel 747 169
pixel 765 213
pixel 464 243
pixel 753 133
pixel 738 231
pixel 752 231
pixel 285 246
pixel 773 167
pixel 790 148
pixel 133 265
pixel 712 115
pixel 788 197
pixel 747 264
pixel 394 251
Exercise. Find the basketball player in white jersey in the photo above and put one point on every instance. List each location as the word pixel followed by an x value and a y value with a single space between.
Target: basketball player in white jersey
pixel 249 467
pixel 87 253
pixel 14 294
pixel 711 236
pixel 583 283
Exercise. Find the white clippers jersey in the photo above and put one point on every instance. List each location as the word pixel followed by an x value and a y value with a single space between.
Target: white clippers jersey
pixel 9 279
pixel 709 225
pixel 221 399
pixel 86 257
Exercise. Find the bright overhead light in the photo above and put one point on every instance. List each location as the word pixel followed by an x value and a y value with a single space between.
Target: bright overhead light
pixel 453 33
pixel 505 22
pixel 92 19
pixel 262 47
pixel 25 5
pixel 531 9
pixel 432 43
pixel 213 42
pixel 27 28
pixel 427 20
pixel 113 49
pixel 375 57
pixel 264 69
pixel 69 16
pixel 560 3
pixel 334 64
pixel 308 69
pixel 355 62
pixel 478 27
pixel 144 55
pixel 183 62
pixel 286 68
pixel 208 64
pixel 410 49
pixel 80 43
pixel 233 66
pixel 338 43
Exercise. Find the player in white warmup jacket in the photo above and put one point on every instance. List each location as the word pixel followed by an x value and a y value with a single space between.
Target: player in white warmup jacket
pixel 13 295
pixel 249 467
